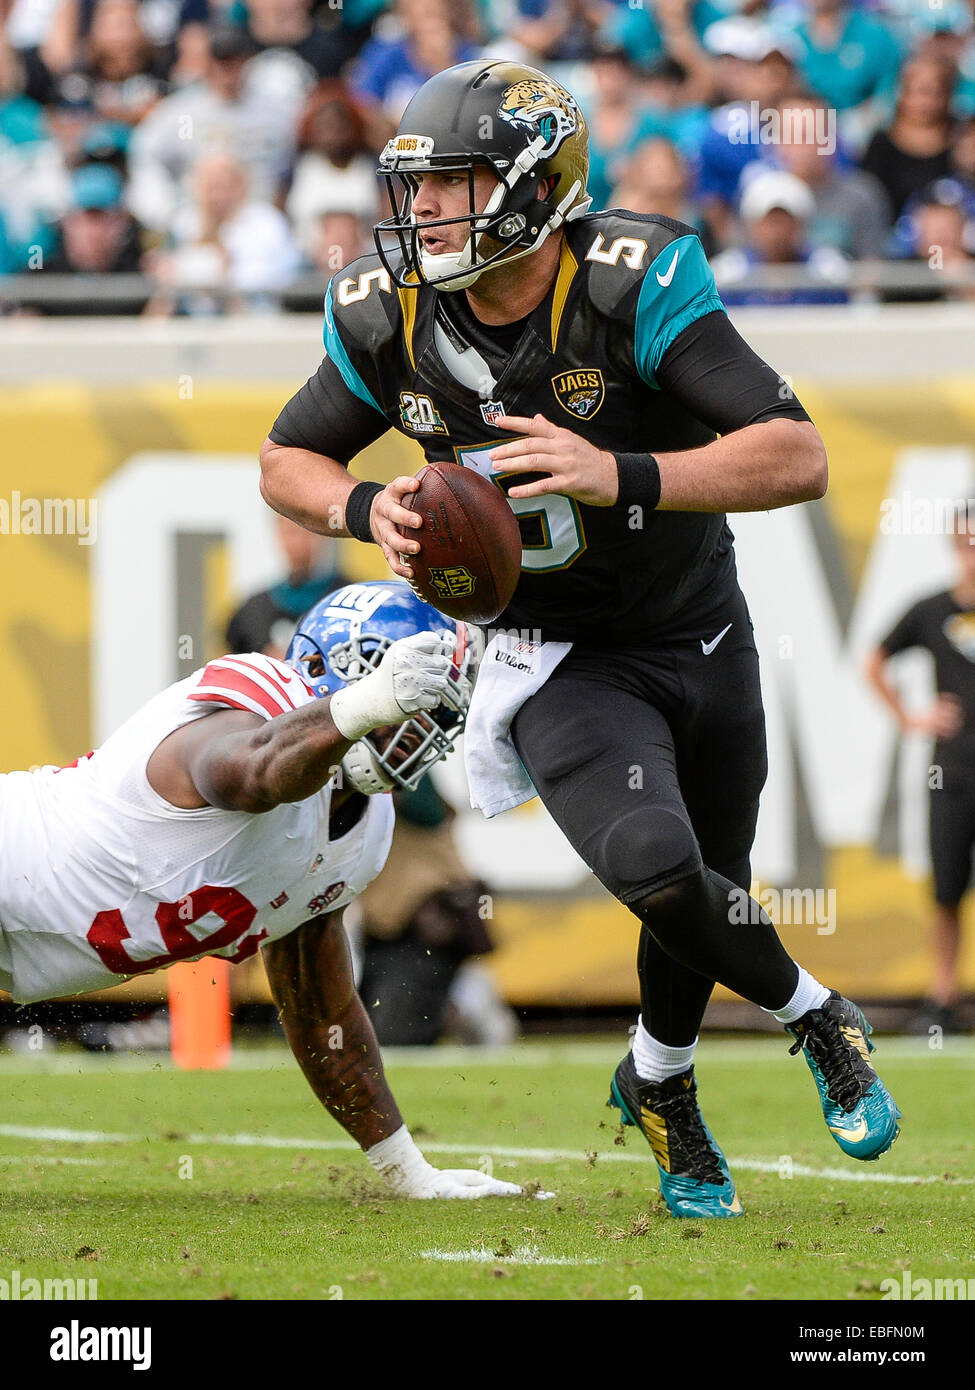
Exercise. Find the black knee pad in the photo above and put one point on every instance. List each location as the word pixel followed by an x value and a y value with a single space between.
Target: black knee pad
pixel 645 850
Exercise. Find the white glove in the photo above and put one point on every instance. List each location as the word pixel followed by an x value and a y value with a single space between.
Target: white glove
pixel 412 676
pixel 410 1175
pixel 461 1182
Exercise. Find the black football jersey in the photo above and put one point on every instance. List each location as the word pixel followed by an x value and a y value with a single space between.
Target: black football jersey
pixel 630 348
pixel 946 629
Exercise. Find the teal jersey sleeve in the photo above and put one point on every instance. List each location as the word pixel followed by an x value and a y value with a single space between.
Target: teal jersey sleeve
pixel 677 289
pixel 336 350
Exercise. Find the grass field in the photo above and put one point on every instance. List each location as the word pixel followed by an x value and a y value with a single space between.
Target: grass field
pixel 163 1184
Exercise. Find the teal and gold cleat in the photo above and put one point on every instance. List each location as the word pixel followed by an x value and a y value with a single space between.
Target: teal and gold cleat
pixel 859 1110
pixel 694 1176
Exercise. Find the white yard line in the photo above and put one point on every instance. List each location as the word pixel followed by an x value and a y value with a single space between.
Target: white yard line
pixel 473 1150
pixel 522 1255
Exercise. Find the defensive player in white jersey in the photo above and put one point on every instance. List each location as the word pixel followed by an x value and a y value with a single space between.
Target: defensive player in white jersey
pixel 214 822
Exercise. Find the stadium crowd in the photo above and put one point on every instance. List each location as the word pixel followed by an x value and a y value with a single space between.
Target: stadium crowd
pixel 225 150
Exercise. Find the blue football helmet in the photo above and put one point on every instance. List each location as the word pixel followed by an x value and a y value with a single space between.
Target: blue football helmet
pixel 344 637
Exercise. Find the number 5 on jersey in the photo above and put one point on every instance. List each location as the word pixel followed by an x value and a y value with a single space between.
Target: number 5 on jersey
pixel 561 536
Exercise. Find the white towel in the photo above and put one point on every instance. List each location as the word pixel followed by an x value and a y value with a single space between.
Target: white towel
pixel 511 670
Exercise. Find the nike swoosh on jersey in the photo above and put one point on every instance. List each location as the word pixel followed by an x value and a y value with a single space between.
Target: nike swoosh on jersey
pixel 665 280
pixel 708 647
pixel 852 1136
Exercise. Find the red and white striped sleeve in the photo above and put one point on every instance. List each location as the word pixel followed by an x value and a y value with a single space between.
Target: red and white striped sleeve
pixel 253 682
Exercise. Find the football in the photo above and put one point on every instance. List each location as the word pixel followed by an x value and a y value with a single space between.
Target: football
pixel 470 545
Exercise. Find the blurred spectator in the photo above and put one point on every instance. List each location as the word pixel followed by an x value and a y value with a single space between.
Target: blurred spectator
pixel 554 31
pixel 944 626
pixel 289 24
pixel 339 238
pixel 776 209
pixel 852 212
pixel 656 179
pixel 226 239
pixel 845 55
pixel 421 919
pixel 938 227
pixel 33 182
pixel 753 71
pixel 963 153
pixel 266 621
pixel 96 236
pixel 105 142
pixel 628 107
pixel 613 110
pixel 944 30
pixel 334 172
pixel 229 111
pixel 916 148
pixel 646 32
pixel 166 24
pixel 112 73
pixel 389 71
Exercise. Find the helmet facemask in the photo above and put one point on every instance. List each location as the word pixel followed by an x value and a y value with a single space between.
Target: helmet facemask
pixel 514 220
pixel 397 755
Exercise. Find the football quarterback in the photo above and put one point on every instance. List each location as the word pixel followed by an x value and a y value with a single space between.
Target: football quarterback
pixel 583 361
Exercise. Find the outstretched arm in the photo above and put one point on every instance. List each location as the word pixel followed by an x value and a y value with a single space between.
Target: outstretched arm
pixel 238 762
pixel 328 1030
pixel 310 974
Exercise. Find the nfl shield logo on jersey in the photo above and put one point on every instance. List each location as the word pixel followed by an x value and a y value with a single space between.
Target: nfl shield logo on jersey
pixel 492 412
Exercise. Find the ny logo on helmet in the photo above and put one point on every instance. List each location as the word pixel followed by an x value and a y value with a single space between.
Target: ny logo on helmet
pixel 542 108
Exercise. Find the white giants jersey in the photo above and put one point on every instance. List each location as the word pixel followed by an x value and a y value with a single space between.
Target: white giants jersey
pixel 100 878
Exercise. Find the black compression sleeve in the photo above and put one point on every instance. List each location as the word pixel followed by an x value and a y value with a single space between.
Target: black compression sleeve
pixel 327 418
pixel 713 372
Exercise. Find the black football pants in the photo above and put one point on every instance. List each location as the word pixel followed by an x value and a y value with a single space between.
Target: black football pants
pixel 651 760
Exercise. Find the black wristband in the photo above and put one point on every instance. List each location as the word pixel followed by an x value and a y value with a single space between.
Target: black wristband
pixel 358 505
pixel 639 476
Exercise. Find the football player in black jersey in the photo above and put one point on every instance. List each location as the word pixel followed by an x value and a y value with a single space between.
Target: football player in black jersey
pixel 508 328
pixel 944 626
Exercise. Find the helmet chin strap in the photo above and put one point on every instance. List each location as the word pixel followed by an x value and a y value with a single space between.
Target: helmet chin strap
pixel 447 263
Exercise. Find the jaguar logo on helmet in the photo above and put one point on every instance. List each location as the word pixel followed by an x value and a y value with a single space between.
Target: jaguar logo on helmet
pixel 542 107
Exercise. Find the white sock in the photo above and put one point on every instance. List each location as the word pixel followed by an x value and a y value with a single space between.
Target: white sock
pixel 810 994
pixel 655 1061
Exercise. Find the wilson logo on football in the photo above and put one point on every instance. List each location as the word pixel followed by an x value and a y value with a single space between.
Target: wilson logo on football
pixel 452 581
pixel 581 392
